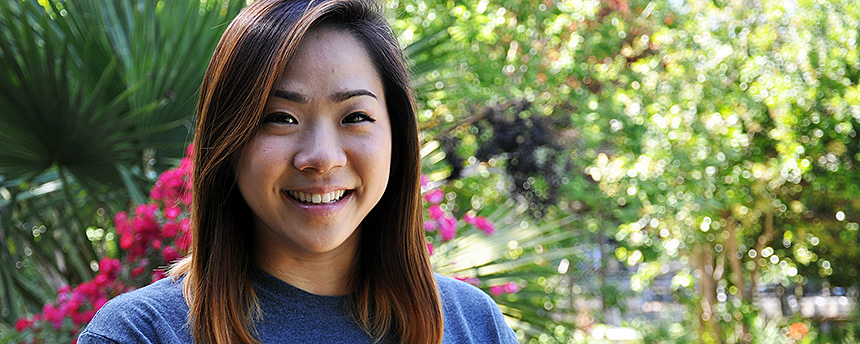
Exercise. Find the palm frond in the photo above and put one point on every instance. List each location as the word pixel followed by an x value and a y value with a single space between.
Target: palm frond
pixel 92 92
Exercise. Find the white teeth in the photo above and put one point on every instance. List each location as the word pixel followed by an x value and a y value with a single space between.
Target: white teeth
pixel 305 197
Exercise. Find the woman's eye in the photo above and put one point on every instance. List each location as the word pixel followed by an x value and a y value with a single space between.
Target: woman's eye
pixel 357 117
pixel 280 118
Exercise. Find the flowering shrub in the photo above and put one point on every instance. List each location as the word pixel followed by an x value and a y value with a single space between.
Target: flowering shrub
pixel 154 236
pixel 62 321
pixel 444 222
pixel 447 226
pixel 157 234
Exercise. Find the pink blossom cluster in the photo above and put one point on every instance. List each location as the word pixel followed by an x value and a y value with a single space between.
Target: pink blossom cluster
pixel 75 307
pixel 160 222
pixel 507 288
pixel 173 187
pixel 445 223
pixel 480 222
pixel 148 231
pixel 157 234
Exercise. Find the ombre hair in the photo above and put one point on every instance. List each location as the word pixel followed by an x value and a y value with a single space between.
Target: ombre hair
pixel 393 292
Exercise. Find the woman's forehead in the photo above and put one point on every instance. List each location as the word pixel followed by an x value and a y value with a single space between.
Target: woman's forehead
pixel 329 64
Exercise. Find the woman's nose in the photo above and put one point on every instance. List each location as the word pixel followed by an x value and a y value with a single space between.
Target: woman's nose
pixel 321 152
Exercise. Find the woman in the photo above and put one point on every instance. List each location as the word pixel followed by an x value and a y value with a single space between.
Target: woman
pixel 307 213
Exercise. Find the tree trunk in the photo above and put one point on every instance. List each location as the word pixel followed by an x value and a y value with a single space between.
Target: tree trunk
pixel 710 325
pixel 765 238
pixel 735 259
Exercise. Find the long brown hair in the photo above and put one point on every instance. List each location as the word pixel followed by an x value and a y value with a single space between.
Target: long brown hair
pixel 393 290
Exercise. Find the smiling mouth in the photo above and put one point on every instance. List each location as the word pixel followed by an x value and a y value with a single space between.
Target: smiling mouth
pixel 317 199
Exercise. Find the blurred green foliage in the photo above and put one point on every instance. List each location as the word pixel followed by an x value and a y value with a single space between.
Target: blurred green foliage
pixel 719 135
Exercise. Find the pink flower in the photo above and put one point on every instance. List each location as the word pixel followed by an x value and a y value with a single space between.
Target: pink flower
pixel 448 228
pixel 480 222
pixel 121 222
pixel 171 179
pixel 53 315
pixel 126 241
pixel 82 317
pixel 69 305
pixel 424 181
pixel 430 225
pixel 109 266
pixel 184 241
pixel 146 210
pixel 156 192
pixel 496 290
pixel 430 248
pixel 435 196
pixel 169 230
pixel 186 197
pixel 190 150
pixel 22 324
pixel 485 225
pixel 101 279
pixel 511 288
pixel 184 225
pixel 86 289
pixel 507 288
pixel 186 165
pixel 172 212
pixel 64 289
pixel 97 304
pixel 435 212
pixel 169 254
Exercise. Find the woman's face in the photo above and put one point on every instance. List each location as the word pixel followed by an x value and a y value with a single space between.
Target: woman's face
pixel 320 161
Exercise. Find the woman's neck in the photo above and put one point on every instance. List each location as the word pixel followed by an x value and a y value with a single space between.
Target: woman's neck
pixel 324 273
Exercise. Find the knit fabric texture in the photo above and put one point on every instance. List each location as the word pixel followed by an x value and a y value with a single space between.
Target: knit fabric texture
pixel 157 314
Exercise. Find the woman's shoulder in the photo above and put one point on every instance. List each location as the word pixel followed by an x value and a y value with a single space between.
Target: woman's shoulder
pixel 156 313
pixel 470 315
pixel 455 290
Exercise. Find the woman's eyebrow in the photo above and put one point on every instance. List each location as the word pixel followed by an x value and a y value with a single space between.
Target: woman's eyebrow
pixel 337 96
pixel 344 95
